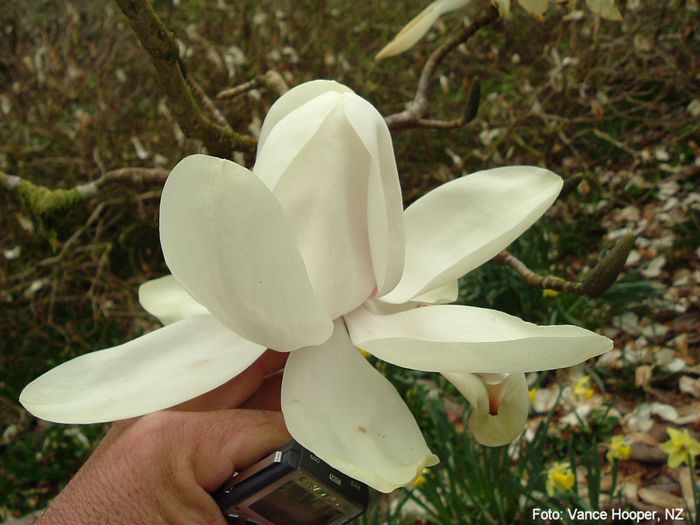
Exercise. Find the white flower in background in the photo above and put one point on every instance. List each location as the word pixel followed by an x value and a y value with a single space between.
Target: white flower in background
pixel 421 24
pixel 418 27
pixel 312 254
pixel 605 9
pixel 536 8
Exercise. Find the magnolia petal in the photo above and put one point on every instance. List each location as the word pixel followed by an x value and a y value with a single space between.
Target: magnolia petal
pixel 155 371
pixel 451 338
pixel 290 135
pixel 294 98
pixel 339 407
pixel 605 9
pixel 384 201
pixel 226 240
pixel 166 299
pixel 379 307
pixel 444 294
pixel 536 8
pixel 509 422
pixel 465 222
pixel 418 27
pixel 322 186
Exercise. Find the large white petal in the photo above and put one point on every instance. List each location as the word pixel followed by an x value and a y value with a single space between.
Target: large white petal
pixel 291 134
pixel 155 371
pixel 339 407
pixel 419 26
pixel 384 201
pixel 503 427
pixel 294 98
pixel 322 185
pixel 443 294
pixel 451 338
pixel 226 240
pixel 465 222
pixel 166 299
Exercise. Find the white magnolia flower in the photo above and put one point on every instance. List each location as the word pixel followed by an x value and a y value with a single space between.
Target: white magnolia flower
pixel 421 24
pixel 306 255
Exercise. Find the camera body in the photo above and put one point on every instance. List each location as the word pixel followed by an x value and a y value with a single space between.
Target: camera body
pixel 292 486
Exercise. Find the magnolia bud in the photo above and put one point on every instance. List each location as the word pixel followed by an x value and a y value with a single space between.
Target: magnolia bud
pixel 604 274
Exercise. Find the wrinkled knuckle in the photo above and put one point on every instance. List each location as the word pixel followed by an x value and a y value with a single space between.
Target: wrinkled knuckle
pixel 236 422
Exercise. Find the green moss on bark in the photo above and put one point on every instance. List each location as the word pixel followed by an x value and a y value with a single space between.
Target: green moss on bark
pixel 44 201
pixel 45 204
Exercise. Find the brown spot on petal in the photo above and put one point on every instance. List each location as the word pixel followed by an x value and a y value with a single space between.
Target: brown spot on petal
pixel 362 429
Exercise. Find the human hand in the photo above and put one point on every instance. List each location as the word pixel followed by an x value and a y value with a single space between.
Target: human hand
pixel 160 468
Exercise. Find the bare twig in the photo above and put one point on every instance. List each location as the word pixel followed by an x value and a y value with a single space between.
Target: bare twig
pixel 131 175
pixel 271 80
pixel 596 281
pixel 470 112
pixel 439 124
pixel 536 280
pixel 418 108
pixel 158 41
pixel 208 103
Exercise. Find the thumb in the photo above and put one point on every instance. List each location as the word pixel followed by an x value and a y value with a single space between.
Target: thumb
pixel 225 441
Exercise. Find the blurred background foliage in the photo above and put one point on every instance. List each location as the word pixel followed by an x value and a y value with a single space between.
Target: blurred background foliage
pixel 616 103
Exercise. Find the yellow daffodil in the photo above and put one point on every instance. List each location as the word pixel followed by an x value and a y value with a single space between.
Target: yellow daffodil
pixel 532 394
pixel 420 480
pixel 618 448
pixel 560 478
pixel 680 448
pixel 582 388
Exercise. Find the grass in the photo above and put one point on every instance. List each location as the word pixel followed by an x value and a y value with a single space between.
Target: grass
pixel 474 484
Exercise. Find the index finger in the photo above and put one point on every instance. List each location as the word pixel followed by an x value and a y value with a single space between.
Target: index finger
pixel 237 390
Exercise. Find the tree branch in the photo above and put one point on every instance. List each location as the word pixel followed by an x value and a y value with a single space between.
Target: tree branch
pixel 597 280
pixel 141 176
pixel 45 202
pixel 418 107
pixel 536 280
pixel 159 43
pixel 208 103
pixel 271 80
